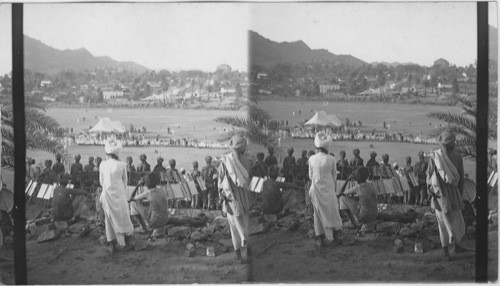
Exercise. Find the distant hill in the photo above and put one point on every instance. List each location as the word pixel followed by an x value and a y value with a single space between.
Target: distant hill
pixel 493 37
pixel 44 59
pixel 267 53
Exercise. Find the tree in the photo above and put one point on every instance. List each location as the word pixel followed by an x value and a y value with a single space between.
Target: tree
pixel 253 127
pixel 38 128
pixel 464 125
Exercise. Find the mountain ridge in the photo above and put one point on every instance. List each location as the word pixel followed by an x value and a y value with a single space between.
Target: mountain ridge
pixel 40 57
pixel 266 52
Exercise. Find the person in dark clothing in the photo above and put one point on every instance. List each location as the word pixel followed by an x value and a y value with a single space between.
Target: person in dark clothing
pixel 357 161
pixel 302 161
pixel 209 174
pixel 58 167
pixel 270 160
pixel 75 170
pixel 67 203
pixel 288 166
pixel 143 166
pixel 173 175
pixel 343 167
pixel 386 170
pixel 273 200
pixel 373 166
pixel 421 174
pixel 159 166
pixel 259 168
pixel 90 166
pixel 47 176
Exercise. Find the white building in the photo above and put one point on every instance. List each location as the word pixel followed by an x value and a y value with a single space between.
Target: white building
pixel 112 94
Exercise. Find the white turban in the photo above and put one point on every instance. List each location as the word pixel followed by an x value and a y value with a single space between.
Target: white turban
pixel 112 147
pixel 322 141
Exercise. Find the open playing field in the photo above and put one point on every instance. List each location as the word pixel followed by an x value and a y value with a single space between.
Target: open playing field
pixel 409 118
pixel 191 123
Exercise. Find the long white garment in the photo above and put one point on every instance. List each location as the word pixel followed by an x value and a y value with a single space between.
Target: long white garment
pixel 113 179
pixel 451 227
pixel 323 174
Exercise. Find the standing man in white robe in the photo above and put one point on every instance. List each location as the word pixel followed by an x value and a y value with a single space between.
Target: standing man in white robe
pixel 323 174
pixel 235 193
pixel 113 179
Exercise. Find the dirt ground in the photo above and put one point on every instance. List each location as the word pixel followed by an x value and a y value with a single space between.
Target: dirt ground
pixel 86 262
pixel 296 259
pixel 293 259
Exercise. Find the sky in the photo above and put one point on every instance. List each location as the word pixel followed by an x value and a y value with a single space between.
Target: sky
pixel 168 36
pixel 404 32
pixel 202 36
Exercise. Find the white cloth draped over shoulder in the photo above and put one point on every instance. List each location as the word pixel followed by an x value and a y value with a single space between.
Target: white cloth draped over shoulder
pixel 323 174
pixel 113 179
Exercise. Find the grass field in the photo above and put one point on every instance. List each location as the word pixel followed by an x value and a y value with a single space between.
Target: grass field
pixel 192 123
pixel 409 118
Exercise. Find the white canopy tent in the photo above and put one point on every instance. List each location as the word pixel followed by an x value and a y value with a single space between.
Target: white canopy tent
pixel 323 119
pixel 105 125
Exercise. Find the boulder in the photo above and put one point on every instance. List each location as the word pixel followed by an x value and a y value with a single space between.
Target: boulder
pixel 190 246
pixel 218 236
pixel 226 242
pixel 428 218
pixel 36 230
pixel 49 235
pixel 210 251
pixel 270 218
pixel 208 230
pixel 406 232
pixel 220 222
pixel 179 231
pixel 77 227
pixel 198 236
pixel 419 248
pixel 255 228
pixel 61 224
pixel 493 220
pixel 140 245
pixel 348 240
pixel 418 226
pixel 287 220
pixel 369 227
pixel 388 227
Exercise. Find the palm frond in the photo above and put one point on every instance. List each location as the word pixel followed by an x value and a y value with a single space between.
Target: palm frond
pixel 234 121
pixel 466 151
pixel 40 141
pixel 453 128
pixel 258 114
pixel 38 120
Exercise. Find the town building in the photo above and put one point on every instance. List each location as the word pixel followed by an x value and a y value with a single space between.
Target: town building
pixel 112 94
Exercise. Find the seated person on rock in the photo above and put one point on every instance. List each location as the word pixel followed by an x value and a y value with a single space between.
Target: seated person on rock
pixel 273 200
pixel 68 203
pixel 365 211
pixel 156 215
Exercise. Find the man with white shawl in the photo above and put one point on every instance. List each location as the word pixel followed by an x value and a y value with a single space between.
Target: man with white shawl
pixel 445 176
pixel 323 174
pixel 113 179
pixel 235 193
